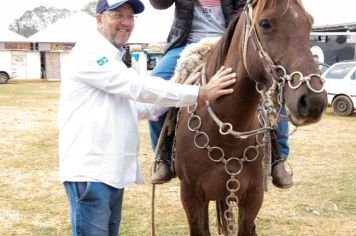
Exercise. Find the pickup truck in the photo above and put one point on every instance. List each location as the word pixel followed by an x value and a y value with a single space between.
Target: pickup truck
pixel 6 74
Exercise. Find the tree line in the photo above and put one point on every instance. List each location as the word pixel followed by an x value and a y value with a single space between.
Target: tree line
pixel 40 17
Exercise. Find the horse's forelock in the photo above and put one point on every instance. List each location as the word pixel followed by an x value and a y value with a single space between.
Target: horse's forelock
pixel 261 5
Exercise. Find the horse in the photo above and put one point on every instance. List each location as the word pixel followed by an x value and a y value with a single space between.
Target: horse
pixel 221 147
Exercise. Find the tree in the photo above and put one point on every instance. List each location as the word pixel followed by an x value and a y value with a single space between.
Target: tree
pixel 37 19
pixel 90 8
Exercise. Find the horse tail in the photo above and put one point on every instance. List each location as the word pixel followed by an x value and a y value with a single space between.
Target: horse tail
pixel 221 207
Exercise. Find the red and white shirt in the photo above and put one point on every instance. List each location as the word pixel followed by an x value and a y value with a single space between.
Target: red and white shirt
pixel 208 20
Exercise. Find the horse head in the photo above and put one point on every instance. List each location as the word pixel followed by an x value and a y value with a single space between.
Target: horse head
pixel 272 38
pixel 278 31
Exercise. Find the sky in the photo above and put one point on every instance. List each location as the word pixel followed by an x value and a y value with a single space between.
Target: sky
pixel 323 11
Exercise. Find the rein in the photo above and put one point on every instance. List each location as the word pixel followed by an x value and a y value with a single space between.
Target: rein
pixel 226 128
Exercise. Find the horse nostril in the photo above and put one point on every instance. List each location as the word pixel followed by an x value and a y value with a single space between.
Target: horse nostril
pixel 303 106
pixel 310 107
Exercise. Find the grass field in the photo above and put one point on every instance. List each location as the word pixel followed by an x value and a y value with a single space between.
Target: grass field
pixel 33 202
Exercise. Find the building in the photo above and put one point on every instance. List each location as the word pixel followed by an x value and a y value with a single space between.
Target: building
pixel 18 52
pixel 56 41
pixel 334 42
pixel 345 27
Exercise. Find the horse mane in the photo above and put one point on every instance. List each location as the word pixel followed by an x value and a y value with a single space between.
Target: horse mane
pixel 219 54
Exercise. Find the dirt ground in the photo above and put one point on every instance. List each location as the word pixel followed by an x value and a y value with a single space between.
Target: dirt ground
pixel 33 202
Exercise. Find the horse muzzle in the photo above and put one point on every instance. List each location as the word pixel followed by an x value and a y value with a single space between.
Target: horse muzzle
pixel 306 109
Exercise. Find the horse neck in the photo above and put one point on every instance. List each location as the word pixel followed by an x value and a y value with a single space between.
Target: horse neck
pixel 242 104
pixel 238 108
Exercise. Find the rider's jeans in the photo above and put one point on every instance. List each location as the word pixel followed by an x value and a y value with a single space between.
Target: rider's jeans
pixel 164 69
pixel 282 136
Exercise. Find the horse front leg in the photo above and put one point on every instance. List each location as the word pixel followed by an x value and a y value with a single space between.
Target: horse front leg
pixel 196 210
pixel 248 212
pixel 206 229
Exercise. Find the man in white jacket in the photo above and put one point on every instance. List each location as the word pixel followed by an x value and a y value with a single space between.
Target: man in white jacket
pixel 101 102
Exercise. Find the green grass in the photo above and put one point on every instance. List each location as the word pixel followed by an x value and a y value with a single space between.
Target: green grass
pixel 33 202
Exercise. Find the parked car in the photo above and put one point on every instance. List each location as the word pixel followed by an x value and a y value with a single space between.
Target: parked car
pixel 341 87
pixel 6 74
pixel 322 67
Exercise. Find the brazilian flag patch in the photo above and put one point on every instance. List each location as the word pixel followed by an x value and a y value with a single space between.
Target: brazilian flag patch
pixel 102 61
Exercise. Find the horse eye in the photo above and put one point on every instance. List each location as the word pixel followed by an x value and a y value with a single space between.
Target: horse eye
pixel 265 24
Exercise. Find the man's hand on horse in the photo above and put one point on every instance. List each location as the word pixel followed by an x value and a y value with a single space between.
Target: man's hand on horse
pixel 217 86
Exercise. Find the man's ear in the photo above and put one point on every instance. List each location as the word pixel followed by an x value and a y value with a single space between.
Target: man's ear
pixel 99 18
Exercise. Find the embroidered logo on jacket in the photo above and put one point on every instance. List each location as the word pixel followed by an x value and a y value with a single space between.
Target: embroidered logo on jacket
pixel 102 61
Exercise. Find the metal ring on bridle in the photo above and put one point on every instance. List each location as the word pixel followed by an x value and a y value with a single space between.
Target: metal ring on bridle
pixel 231 182
pixel 290 78
pixel 204 135
pixel 190 121
pixel 322 81
pixel 284 72
pixel 259 90
pixel 231 198
pixel 260 143
pixel 267 103
pixel 238 170
pixel 221 157
pixel 305 79
pixel 231 228
pixel 194 108
pixel 228 214
pixel 245 154
pixel 223 126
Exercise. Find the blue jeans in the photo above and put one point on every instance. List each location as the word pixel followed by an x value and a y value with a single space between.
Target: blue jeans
pixel 165 69
pixel 95 208
pixel 282 136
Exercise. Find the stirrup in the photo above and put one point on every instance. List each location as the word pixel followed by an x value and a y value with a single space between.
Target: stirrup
pixel 285 161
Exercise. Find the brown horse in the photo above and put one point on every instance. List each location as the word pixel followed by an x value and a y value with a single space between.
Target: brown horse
pixel 220 147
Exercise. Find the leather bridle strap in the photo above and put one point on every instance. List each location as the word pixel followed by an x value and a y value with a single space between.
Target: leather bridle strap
pixel 250 32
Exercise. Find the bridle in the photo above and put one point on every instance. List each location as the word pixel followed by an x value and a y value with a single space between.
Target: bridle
pixel 277 72
pixel 268 114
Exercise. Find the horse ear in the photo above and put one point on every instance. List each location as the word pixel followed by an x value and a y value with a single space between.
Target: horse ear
pixel 251 2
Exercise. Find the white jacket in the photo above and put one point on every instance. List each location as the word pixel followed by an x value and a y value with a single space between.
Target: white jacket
pixel 98 113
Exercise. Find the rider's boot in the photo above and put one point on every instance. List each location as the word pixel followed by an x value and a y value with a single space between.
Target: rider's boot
pixel 281 178
pixel 164 169
pixel 163 173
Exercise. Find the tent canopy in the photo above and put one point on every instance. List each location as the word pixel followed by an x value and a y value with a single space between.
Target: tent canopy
pixel 7 35
pixel 67 30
